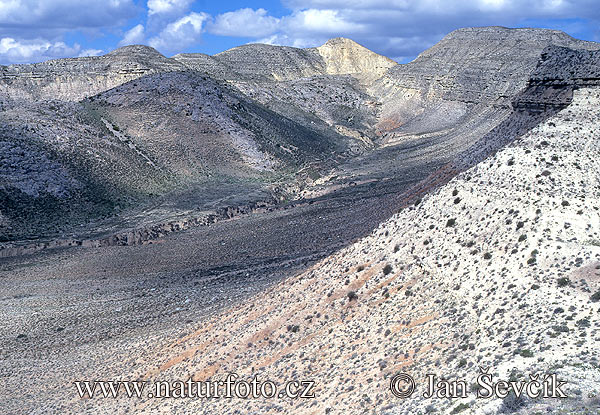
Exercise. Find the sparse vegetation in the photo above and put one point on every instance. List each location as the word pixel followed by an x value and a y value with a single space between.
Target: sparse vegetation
pixel 459 408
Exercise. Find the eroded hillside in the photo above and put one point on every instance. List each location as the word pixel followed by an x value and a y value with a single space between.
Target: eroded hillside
pixel 476 165
pixel 133 134
pixel 498 269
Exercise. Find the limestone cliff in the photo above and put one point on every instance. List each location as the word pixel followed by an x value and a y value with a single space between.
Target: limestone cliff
pixel 77 78
pixel 344 56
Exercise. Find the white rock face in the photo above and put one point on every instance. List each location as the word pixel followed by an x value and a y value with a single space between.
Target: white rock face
pixel 345 57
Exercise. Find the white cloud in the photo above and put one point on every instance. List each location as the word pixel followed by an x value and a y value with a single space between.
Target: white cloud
pixel 404 28
pixel 177 36
pixel 24 51
pixel 322 22
pixel 47 19
pixel 90 52
pixel 167 6
pixel 244 23
pixel 133 36
pixel 285 40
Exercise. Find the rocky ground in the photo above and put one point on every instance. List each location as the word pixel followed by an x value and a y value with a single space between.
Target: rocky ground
pixel 500 269
pixel 485 252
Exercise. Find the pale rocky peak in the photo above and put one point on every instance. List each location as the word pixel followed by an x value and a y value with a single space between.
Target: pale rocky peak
pixel 132 50
pixel 345 56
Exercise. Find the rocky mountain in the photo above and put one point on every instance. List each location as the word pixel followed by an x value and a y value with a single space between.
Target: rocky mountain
pixel 468 70
pixel 148 125
pixel 121 130
pixel 498 269
pixel 337 218
pixel 77 78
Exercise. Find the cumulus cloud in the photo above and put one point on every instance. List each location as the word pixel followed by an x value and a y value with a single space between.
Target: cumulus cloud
pixel 404 28
pixel 90 52
pixel 167 6
pixel 324 21
pixel 39 18
pixel 133 36
pixel 25 51
pixel 244 23
pixel 178 35
pixel 33 30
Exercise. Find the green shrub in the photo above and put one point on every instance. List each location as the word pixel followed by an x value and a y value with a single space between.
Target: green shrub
pixel 461 407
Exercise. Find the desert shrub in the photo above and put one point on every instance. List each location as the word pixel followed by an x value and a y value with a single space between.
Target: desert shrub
pixel 563 282
pixel 461 407
pixel 583 323
pixel 512 403
pixel 387 269
pixel 352 295
pixel 525 353
pixel 451 222
pixel 293 328
pixel 596 296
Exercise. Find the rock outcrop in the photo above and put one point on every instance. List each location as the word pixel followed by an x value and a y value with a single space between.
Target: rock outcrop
pixel 469 67
pixel 345 57
pixel 77 78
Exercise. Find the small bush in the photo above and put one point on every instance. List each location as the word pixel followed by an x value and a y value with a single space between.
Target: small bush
pixel 595 297
pixel 583 323
pixel 352 295
pixel 487 255
pixel 563 282
pixel 525 353
pixel 387 269
pixel 461 407
pixel 451 222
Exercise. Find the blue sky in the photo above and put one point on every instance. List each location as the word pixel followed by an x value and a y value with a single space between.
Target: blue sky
pixel 35 30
